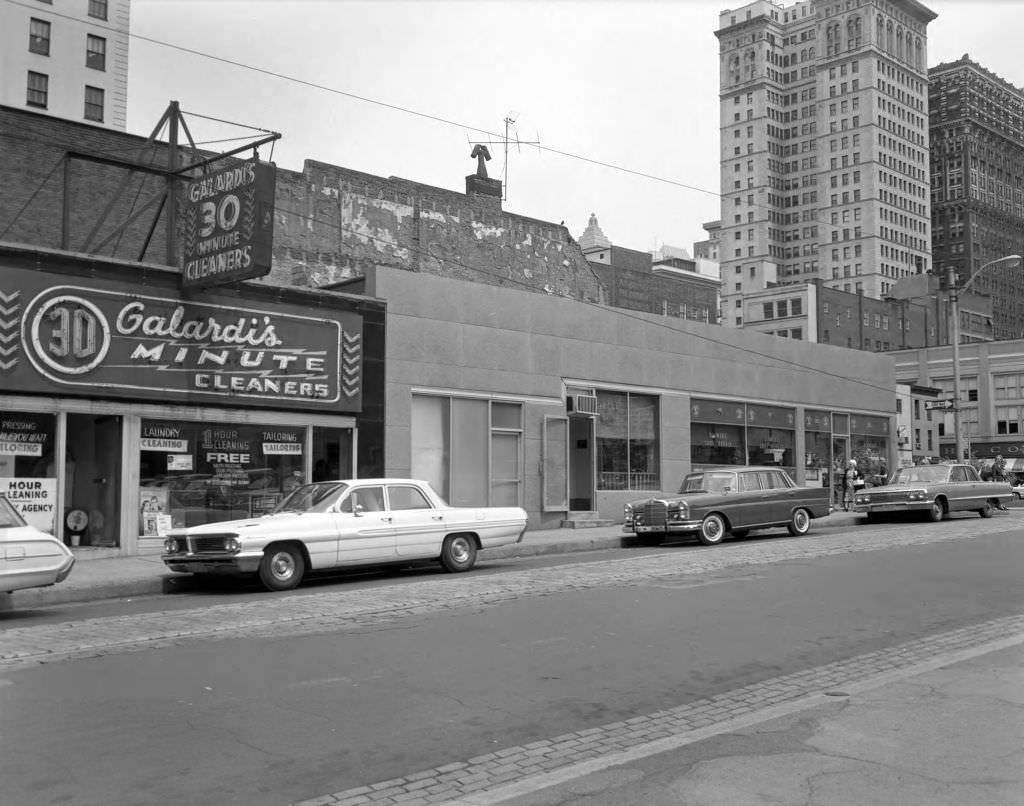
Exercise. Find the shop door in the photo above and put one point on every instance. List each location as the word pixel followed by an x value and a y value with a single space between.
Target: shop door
pixel 93 478
pixel 840 454
pixel 581 464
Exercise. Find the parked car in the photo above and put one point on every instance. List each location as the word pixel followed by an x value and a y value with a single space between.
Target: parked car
pixel 933 491
pixel 329 524
pixel 1018 490
pixel 713 503
pixel 29 558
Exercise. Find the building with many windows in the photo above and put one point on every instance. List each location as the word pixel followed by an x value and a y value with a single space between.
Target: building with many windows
pixel 824 146
pixel 69 60
pixel 992 397
pixel 977 193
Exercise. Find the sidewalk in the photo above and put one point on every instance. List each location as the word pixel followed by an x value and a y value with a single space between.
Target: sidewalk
pixel 104 577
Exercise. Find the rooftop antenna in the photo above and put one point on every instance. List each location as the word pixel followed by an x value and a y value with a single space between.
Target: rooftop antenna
pixel 506 141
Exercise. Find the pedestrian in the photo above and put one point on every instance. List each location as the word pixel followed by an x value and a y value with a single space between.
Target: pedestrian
pixel 999 474
pixel 851 481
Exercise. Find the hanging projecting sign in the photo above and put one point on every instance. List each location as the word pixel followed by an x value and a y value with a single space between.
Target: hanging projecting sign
pixel 87 340
pixel 227 221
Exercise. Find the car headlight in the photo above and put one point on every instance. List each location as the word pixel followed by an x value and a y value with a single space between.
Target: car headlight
pixel 677 510
pixel 627 513
pixel 232 544
pixel 916 495
pixel 862 499
pixel 171 545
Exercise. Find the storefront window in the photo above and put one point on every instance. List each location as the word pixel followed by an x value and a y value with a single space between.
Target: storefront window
pixel 717 444
pixel 817 448
pixel 869 445
pixel 28 474
pixel 627 441
pixel 192 473
pixel 468 449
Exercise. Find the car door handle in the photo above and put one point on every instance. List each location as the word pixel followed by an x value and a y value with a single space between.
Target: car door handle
pixel 437 517
pixel 386 518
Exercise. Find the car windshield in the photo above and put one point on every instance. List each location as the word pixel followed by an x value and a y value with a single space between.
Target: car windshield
pixel 925 474
pixel 316 497
pixel 711 482
pixel 9 517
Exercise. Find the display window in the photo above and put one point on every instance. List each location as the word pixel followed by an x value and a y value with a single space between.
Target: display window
pixel 193 473
pixel 28 472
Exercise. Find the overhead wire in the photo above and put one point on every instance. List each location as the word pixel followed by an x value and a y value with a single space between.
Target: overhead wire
pixel 464 126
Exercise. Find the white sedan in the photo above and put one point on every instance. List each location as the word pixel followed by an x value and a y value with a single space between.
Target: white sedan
pixel 329 524
pixel 29 558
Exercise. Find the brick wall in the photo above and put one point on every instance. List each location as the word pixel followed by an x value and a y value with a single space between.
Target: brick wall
pixel 331 223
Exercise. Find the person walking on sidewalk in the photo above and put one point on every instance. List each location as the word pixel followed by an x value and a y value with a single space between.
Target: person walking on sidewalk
pixel 851 481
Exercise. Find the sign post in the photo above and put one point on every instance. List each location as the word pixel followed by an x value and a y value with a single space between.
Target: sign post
pixel 228 225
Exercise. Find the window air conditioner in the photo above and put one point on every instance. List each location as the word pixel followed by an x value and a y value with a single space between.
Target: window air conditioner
pixel 582 404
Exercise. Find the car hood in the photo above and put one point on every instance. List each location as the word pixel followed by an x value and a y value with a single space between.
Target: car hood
pixel 276 521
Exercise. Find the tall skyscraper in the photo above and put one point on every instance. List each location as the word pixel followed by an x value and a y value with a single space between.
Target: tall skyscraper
pixel 977 195
pixel 69 60
pixel 824 146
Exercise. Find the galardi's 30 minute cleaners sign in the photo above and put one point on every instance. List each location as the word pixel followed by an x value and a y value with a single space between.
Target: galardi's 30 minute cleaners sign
pixel 228 225
pixel 91 341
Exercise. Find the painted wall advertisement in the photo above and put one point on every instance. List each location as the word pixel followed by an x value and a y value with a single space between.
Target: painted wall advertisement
pixel 86 339
pixel 228 224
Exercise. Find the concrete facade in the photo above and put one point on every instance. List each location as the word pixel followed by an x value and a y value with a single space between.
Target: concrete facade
pixel 69 50
pixel 451 338
pixel 992 388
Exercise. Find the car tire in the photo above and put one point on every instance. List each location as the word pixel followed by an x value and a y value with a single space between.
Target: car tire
pixel 936 512
pixel 987 510
pixel 712 529
pixel 800 523
pixel 458 553
pixel 282 567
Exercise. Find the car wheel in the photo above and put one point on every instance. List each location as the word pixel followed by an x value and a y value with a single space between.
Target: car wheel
pixel 458 553
pixel 740 533
pixel 712 529
pixel 800 523
pixel 937 511
pixel 282 568
pixel 987 510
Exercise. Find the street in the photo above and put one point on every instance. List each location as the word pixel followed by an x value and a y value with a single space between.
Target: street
pixel 232 697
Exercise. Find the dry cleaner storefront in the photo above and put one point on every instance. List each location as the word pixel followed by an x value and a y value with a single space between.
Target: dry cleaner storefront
pixel 129 407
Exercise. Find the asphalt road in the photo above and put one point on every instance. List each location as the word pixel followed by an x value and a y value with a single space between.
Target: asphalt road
pixel 231 697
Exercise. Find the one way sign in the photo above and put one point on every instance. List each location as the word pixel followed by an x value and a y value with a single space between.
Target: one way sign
pixel 938 404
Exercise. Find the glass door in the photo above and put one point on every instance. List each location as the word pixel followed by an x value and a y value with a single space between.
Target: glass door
pixel 92 467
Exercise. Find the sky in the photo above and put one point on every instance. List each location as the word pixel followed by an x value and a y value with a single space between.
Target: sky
pixel 620 95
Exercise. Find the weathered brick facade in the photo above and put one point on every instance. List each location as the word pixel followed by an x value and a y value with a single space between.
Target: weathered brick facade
pixel 330 222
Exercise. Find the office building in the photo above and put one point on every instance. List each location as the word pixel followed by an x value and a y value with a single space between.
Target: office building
pixel 976 122
pixel 69 60
pixel 824 147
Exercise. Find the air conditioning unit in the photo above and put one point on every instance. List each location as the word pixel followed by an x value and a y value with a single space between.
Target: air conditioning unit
pixel 582 404
pixel 917 446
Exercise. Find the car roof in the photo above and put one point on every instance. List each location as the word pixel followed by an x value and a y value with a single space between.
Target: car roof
pixel 719 468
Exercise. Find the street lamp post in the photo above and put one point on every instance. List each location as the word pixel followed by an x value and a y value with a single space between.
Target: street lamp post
pixel 954 313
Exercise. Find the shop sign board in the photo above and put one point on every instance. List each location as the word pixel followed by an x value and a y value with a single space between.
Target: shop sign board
pixel 88 340
pixel 35 499
pixel 228 225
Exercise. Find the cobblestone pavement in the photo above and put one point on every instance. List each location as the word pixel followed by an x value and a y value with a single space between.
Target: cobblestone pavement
pixel 515 771
pixel 340 610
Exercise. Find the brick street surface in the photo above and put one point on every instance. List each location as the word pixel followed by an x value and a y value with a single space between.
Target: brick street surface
pixel 489 778
pixel 341 610
pixel 499 775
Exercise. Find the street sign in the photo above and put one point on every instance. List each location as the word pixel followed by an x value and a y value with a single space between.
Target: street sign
pixel 938 404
